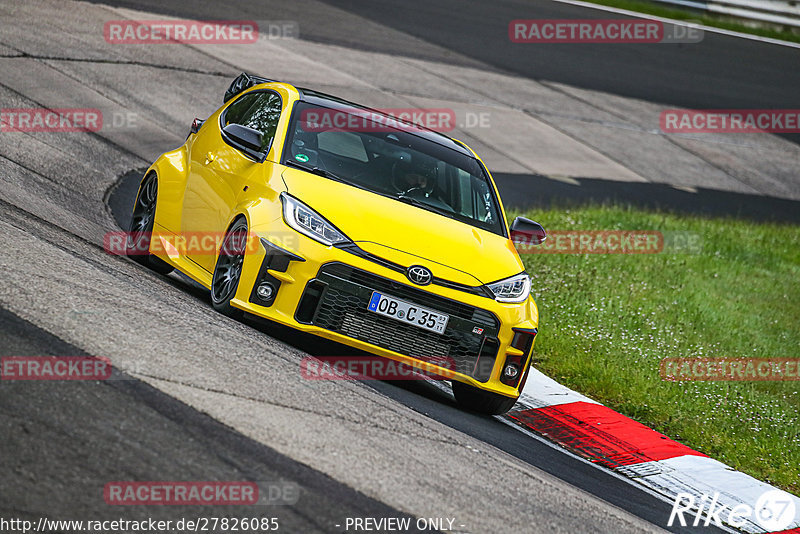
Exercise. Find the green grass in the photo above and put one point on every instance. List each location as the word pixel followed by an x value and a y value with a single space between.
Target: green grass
pixel 607 320
pixel 676 13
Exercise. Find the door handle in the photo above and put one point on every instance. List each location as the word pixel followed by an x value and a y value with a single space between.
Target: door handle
pixel 209 157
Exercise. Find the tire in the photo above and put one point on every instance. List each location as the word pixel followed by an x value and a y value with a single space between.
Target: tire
pixel 480 401
pixel 228 269
pixel 140 231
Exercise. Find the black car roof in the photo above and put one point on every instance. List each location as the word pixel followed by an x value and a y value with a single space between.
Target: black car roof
pixel 334 102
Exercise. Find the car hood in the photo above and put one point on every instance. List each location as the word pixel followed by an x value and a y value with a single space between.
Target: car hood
pixel 406 234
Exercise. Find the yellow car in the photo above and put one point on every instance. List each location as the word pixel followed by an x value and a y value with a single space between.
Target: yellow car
pixel 347 223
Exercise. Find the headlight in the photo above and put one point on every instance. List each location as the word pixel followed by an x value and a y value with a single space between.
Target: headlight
pixel 514 289
pixel 309 222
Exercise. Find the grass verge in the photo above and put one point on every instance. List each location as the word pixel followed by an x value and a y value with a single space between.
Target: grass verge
pixel 676 13
pixel 607 320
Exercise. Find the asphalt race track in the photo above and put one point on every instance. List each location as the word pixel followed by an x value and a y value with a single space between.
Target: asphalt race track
pixel 180 443
pixel 197 396
pixel 720 72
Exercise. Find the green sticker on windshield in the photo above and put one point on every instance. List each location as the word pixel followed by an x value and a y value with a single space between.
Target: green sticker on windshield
pixel 301 157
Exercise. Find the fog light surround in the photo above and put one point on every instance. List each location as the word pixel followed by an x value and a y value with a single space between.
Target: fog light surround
pixel 516 364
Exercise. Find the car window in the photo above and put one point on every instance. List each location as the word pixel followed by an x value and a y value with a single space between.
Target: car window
pixel 260 111
pixel 395 162
pixel 345 144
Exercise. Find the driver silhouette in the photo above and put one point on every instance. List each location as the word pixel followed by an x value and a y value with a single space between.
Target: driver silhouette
pixel 410 177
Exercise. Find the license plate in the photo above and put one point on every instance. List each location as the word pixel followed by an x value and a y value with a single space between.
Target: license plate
pixel 406 312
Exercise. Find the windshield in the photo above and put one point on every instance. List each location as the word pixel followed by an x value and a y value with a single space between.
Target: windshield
pixel 385 157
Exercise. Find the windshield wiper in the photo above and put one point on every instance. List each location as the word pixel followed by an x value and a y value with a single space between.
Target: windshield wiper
pixel 424 205
pixel 319 172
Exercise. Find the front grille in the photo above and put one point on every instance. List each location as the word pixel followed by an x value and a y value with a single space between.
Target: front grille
pixel 342 307
pixel 409 293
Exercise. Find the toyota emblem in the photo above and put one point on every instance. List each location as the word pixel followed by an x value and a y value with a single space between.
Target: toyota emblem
pixel 419 275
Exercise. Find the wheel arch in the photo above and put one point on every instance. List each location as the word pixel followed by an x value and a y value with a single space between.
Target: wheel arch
pixel 237 216
pixel 171 170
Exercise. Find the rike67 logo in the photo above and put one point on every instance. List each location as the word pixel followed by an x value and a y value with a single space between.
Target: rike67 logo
pixel 774 510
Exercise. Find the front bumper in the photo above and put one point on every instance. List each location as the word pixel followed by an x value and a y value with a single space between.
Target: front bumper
pixel 325 290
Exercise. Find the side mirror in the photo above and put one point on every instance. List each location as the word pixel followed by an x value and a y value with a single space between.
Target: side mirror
pixel 248 138
pixel 527 232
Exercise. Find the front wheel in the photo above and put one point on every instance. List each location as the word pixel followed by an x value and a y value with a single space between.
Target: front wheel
pixel 228 269
pixel 480 401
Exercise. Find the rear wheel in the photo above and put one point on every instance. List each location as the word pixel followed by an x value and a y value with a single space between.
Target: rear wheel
pixel 478 400
pixel 228 269
pixel 140 231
